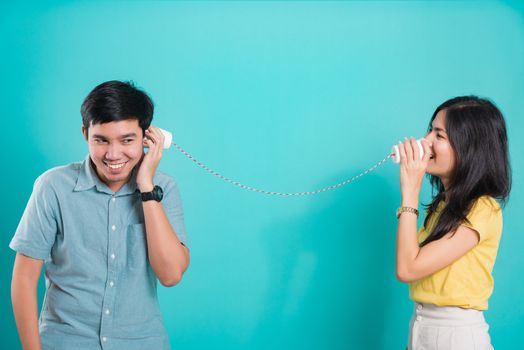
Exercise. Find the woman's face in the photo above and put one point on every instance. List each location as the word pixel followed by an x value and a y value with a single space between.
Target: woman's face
pixel 442 161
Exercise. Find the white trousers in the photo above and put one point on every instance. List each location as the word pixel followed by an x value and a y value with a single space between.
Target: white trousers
pixel 448 328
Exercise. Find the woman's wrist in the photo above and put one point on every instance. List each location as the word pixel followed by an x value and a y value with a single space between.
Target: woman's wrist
pixel 409 201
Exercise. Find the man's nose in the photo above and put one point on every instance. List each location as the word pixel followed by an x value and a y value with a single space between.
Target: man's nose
pixel 113 152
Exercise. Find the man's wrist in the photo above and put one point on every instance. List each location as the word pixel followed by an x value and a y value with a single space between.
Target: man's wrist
pixel 146 187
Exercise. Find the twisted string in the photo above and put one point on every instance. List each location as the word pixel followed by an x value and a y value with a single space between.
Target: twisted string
pixel 273 193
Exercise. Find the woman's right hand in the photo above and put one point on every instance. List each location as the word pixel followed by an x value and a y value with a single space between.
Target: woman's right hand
pixel 412 168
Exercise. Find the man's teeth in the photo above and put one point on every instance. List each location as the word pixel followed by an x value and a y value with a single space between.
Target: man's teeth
pixel 115 166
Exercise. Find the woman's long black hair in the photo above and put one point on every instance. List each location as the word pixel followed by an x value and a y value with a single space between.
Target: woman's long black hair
pixel 477 134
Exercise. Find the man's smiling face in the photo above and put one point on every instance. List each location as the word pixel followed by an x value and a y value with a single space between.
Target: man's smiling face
pixel 115 148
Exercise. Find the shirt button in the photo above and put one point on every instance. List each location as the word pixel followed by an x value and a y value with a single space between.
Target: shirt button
pixel 419 318
pixel 107 311
pixel 419 307
pixel 113 227
pixel 104 339
pixel 113 199
pixel 111 284
pixel 113 256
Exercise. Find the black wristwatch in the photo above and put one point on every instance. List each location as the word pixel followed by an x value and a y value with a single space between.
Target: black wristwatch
pixel 157 194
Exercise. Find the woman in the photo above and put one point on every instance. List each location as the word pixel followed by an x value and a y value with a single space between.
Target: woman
pixel 448 264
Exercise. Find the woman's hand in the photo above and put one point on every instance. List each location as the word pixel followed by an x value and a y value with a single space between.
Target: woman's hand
pixel 412 169
pixel 154 140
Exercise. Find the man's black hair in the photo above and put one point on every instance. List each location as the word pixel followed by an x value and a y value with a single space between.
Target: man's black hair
pixel 114 101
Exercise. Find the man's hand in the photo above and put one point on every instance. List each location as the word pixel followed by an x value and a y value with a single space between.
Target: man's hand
pixel 154 140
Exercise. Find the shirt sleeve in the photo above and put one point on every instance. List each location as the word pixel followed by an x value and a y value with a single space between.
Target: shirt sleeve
pixel 483 215
pixel 174 210
pixel 36 232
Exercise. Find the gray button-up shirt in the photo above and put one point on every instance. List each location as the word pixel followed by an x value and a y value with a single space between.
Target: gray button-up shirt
pixel 101 292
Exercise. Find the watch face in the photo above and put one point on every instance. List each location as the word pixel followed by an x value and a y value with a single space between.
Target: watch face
pixel 159 194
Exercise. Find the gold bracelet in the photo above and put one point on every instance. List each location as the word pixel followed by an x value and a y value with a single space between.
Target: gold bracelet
pixel 406 210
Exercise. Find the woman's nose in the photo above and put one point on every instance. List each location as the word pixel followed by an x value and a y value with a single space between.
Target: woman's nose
pixel 430 137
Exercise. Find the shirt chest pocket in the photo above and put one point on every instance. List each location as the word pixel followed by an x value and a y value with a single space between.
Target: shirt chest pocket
pixel 136 246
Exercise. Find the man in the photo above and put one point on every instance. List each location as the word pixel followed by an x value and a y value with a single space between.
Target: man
pixel 106 229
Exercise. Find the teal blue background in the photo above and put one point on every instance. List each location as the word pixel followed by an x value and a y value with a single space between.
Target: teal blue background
pixel 287 96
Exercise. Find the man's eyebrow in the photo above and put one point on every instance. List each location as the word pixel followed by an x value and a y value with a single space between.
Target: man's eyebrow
pixel 132 134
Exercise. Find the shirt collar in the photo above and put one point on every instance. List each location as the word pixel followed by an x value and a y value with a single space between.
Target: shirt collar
pixel 88 178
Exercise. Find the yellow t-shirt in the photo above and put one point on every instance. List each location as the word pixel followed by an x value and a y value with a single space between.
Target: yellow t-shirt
pixel 467 282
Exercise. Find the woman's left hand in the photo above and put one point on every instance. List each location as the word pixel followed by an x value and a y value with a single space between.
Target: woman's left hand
pixel 412 167
pixel 154 140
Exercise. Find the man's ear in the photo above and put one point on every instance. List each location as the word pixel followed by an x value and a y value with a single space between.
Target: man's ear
pixel 84 131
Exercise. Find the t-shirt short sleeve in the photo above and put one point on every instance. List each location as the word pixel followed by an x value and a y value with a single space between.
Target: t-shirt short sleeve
pixel 36 232
pixel 172 203
pixel 483 216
